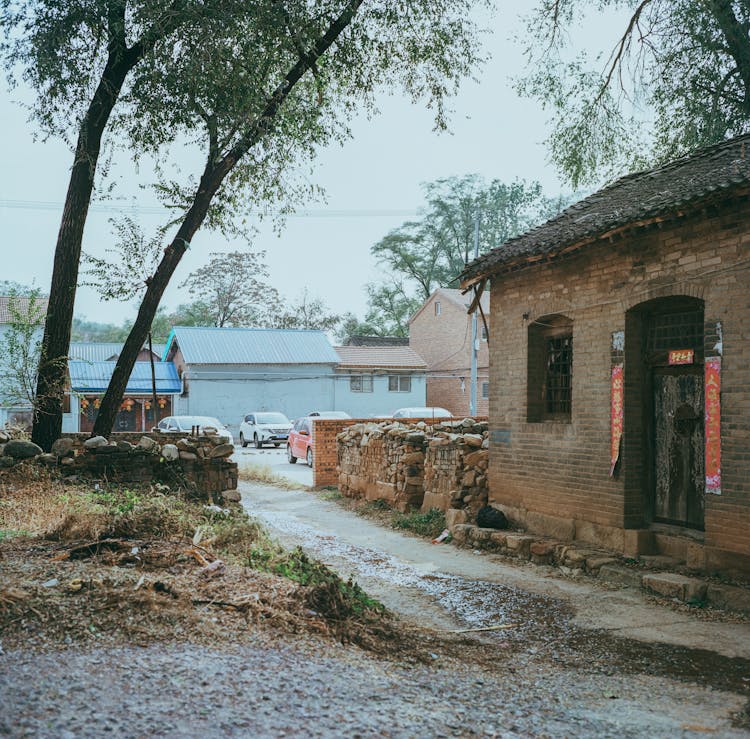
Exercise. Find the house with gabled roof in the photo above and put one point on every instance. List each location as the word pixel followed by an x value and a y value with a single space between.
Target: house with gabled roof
pixel 620 365
pixel 441 333
pixel 227 372
pixel 377 380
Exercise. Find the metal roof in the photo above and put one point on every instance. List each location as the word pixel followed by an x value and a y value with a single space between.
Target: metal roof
pixel 94 351
pixel 380 357
pixel 93 377
pixel 103 351
pixel 705 176
pixel 251 346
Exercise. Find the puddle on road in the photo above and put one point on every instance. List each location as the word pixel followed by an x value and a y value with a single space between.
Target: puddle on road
pixel 543 626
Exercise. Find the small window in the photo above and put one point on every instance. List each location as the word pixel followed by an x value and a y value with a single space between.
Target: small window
pixel 360 383
pixel 399 383
pixel 437 307
pixel 485 389
pixel 484 333
pixel 550 369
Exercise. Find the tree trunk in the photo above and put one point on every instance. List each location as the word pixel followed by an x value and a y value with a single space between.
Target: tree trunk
pixel 737 41
pixel 56 341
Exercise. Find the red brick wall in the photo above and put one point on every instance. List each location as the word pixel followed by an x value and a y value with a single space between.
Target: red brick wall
pixel 444 342
pixel 562 469
pixel 325 453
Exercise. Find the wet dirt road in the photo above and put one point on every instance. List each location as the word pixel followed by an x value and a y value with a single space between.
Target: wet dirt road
pixel 574 630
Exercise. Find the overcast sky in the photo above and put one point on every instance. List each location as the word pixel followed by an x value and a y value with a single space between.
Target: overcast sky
pixel 372 185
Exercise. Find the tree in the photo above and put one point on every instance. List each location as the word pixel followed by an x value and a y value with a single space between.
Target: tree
pixel 428 253
pixel 683 65
pixel 306 313
pixel 432 251
pixel 21 349
pixel 290 80
pixel 78 57
pixel 230 290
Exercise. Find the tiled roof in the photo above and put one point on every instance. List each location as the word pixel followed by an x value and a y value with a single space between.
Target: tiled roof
pixel 379 357
pixel 22 304
pixel 252 346
pixel 93 377
pixel 360 340
pixel 707 175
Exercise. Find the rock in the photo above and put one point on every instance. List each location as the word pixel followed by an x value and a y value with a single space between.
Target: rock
pixel 231 496
pixel 124 446
pixel 473 440
pixel 4 436
pixel 63 447
pixel 148 444
pixel 170 452
pixel 50 460
pixel 95 442
pixel 491 518
pixel 191 456
pixel 7 461
pixel 185 446
pixel 222 450
pixel 67 461
pixel 20 449
pixel 105 449
pixel 454 517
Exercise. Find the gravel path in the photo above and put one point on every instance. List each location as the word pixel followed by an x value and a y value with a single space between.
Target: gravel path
pixel 303 690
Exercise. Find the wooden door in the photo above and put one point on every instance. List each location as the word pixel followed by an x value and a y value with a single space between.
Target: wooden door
pixel 679 464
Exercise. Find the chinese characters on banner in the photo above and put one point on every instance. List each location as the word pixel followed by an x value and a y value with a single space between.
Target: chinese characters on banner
pixel 616 416
pixel 713 425
pixel 681 356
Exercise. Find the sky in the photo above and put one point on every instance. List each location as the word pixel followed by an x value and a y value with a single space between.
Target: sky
pixel 372 184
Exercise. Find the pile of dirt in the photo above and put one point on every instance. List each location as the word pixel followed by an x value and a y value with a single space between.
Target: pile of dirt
pixel 113 566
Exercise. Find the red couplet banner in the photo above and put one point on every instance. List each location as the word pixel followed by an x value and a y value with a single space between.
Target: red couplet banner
pixel 617 395
pixel 713 424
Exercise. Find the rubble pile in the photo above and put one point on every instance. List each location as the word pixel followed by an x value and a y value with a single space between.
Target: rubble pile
pixel 200 462
pixel 440 465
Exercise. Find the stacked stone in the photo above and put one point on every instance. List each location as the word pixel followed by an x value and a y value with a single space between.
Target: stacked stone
pixel 383 461
pixel 201 460
pixel 456 467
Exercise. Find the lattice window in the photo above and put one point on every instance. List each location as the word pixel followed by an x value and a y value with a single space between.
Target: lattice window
pixel 558 382
pixel 667 331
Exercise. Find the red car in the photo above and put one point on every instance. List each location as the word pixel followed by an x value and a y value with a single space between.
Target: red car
pixel 299 445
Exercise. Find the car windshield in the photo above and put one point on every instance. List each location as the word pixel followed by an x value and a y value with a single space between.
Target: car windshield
pixel 276 418
pixel 187 422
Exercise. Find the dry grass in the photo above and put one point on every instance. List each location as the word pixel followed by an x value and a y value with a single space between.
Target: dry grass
pixel 261 473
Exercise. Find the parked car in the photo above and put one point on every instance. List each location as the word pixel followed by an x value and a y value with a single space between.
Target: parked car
pixel 300 443
pixel 264 427
pixel 422 412
pixel 204 424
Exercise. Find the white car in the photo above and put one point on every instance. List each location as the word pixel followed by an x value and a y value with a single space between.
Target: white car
pixel 264 427
pixel 422 412
pixel 203 424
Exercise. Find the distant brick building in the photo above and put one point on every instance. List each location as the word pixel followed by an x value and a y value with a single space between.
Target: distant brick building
pixel 440 332
pixel 620 365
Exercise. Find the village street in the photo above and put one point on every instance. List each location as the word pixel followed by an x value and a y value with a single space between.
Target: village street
pixel 585 639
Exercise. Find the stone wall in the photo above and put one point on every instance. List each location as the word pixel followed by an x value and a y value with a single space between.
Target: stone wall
pixel 415 464
pixel 200 465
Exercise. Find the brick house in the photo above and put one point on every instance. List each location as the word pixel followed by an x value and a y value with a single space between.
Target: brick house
pixel 440 332
pixel 620 365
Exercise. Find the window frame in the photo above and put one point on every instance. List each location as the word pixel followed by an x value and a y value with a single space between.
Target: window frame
pixel 400 380
pixel 366 383
pixel 550 381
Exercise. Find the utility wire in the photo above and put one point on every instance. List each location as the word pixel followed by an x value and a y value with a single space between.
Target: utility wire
pixel 114 207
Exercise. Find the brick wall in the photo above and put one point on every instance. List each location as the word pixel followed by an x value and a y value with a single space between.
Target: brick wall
pixel 562 469
pixel 325 455
pixel 444 342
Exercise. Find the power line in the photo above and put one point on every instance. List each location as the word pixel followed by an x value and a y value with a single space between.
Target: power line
pixel 114 207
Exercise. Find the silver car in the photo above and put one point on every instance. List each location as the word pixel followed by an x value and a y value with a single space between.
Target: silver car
pixel 201 424
pixel 264 427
